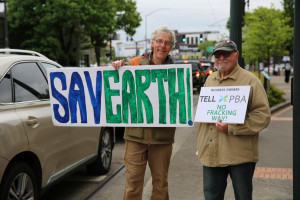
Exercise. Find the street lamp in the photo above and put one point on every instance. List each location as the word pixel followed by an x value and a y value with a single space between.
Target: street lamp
pixel 110 35
pixel 146 22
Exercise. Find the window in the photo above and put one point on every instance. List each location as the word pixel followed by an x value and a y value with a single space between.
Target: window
pixel 29 82
pixel 5 89
pixel 48 66
pixel 192 40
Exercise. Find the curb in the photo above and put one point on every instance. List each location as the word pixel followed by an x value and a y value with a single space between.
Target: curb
pixel 280 106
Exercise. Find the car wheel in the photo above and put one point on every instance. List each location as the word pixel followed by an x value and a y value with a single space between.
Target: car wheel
pixel 103 162
pixel 19 183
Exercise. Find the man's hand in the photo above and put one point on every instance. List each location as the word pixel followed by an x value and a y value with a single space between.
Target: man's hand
pixel 117 64
pixel 222 126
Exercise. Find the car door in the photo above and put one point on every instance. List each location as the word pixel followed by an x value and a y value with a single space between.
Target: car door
pixel 47 142
pixel 83 141
pixel 13 138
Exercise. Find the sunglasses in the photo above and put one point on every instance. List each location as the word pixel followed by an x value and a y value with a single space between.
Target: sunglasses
pixel 225 54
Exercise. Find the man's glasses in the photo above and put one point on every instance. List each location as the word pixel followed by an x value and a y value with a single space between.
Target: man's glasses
pixel 161 42
pixel 225 54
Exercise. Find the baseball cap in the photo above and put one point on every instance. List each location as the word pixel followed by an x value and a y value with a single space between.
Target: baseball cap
pixel 225 45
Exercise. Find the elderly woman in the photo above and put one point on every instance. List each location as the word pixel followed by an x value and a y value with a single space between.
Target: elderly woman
pixel 152 145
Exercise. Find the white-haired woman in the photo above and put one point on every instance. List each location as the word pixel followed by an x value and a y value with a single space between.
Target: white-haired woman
pixel 152 145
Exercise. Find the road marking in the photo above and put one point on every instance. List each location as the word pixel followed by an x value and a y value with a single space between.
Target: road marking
pixel 281 118
pixel 274 173
pixel 275 117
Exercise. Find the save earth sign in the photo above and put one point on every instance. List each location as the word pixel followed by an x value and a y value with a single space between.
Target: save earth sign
pixel 147 96
pixel 226 103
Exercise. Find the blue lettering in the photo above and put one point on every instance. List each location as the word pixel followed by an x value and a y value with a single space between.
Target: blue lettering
pixel 77 96
pixel 95 99
pixel 59 97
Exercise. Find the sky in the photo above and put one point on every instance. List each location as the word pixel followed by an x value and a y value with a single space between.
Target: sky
pixel 189 15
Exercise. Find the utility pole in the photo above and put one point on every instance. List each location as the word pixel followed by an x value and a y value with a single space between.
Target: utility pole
pixel 6 26
pixel 296 105
pixel 237 8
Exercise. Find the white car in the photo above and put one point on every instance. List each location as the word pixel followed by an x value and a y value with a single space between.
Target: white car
pixel 35 154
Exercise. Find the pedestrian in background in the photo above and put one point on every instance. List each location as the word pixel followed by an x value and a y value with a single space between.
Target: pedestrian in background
pixel 232 149
pixel 152 145
pixel 287 71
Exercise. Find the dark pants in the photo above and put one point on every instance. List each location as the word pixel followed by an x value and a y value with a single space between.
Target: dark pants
pixel 215 181
pixel 287 75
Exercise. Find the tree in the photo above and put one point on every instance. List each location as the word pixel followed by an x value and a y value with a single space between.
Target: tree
pixel 130 19
pixel 49 26
pixel 289 10
pixel 60 28
pixel 109 16
pixel 99 20
pixel 265 35
pixel 204 45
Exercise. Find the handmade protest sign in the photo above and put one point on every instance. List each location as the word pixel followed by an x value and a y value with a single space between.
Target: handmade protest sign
pixel 226 103
pixel 147 96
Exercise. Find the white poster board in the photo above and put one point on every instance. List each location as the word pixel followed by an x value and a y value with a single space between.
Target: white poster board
pixel 146 96
pixel 226 103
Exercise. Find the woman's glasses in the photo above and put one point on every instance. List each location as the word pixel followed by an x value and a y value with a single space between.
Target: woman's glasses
pixel 161 42
pixel 225 54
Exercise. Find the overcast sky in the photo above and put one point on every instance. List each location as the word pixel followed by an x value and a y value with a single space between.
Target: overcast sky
pixel 189 15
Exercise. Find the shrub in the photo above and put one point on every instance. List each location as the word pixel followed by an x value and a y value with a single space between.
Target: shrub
pixel 275 95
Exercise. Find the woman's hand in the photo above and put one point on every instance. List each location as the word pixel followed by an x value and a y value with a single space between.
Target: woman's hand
pixel 117 64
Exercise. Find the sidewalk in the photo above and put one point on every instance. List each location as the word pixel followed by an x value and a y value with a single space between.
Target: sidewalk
pixel 273 176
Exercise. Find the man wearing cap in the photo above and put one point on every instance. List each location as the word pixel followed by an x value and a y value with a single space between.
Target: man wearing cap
pixel 232 149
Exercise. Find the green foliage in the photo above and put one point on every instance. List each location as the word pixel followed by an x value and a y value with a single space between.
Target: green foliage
pixel 275 96
pixel 202 47
pixel 130 19
pixel 289 8
pixel 61 28
pixel 265 35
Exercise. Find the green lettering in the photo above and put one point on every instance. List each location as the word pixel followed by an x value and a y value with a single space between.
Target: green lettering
pixel 162 76
pixel 176 96
pixel 188 90
pixel 141 87
pixel 110 117
pixel 128 97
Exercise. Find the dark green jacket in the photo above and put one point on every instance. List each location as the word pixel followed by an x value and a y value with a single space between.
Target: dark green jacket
pixel 146 135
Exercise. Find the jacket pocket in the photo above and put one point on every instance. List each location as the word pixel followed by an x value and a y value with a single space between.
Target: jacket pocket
pixel 135 132
pixel 164 134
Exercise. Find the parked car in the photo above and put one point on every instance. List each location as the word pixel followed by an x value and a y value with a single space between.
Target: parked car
pixel 34 154
pixel 198 79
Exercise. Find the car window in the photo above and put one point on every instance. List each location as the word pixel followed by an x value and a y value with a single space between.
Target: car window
pixel 48 65
pixel 29 82
pixel 5 89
